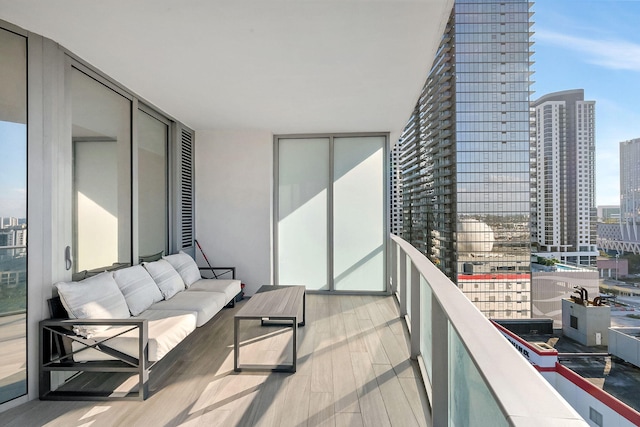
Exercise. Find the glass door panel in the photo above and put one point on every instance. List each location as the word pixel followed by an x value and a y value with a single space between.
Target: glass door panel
pixel 359 239
pixel 153 205
pixel 13 216
pixel 101 174
pixel 303 186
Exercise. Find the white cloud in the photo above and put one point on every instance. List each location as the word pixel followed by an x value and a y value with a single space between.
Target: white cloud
pixel 613 54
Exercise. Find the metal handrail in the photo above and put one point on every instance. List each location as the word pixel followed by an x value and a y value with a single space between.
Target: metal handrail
pixel 521 393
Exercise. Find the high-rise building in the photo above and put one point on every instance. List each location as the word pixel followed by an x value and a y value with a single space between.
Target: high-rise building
pixel 630 190
pixel 395 195
pixel 467 161
pixel 623 235
pixel 565 147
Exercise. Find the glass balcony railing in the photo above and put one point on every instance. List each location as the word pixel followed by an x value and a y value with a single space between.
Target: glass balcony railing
pixel 472 375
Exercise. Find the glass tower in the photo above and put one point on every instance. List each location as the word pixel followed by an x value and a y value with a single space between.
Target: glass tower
pixel 468 166
pixel 630 189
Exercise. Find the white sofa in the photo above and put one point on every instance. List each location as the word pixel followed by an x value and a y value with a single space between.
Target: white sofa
pixel 132 316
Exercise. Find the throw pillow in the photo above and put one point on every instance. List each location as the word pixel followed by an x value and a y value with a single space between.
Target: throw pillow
pixel 138 288
pixel 185 266
pixel 165 276
pixel 97 297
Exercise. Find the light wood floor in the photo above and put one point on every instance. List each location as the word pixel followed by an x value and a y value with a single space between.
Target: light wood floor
pixel 353 370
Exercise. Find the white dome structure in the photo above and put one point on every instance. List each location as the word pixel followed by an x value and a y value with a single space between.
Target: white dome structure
pixel 474 236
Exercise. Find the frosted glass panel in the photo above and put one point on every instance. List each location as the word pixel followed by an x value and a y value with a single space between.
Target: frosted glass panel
pixel 408 287
pixel 470 401
pixel 359 214
pixel 303 184
pixel 426 337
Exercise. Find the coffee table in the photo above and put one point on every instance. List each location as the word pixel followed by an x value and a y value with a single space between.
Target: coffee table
pixel 279 304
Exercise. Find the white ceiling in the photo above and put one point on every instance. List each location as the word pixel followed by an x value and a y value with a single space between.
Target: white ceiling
pixel 285 66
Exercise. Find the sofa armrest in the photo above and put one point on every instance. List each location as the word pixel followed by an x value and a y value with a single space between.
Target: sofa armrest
pixel 216 274
pixel 54 357
pixel 53 330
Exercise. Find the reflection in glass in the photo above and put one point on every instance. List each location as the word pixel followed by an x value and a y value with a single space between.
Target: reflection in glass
pixel 13 214
pixel 426 337
pixel 152 185
pixel 101 174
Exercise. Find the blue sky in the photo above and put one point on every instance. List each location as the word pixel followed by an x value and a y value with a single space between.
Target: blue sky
pixel 13 179
pixel 594 45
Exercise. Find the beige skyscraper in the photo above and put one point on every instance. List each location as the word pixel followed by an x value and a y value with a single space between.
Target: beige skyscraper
pixel 565 150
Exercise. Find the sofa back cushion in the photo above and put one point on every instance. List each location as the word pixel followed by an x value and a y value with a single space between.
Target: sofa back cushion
pixel 138 288
pixel 165 276
pixel 97 297
pixel 185 266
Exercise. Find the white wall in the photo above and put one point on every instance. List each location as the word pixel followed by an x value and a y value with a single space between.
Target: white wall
pixel 581 401
pixel 623 343
pixel 234 181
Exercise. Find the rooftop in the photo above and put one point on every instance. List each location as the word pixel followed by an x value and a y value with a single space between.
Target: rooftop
pixel 609 373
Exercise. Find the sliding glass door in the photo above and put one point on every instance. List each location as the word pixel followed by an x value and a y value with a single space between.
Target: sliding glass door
pixel 101 174
pixel 303 202
pixel 331 209
pixel 13 216
pixel 359 214
pixel 153 203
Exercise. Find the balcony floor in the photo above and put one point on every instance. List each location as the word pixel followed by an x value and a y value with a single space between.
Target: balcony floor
pixel 353 370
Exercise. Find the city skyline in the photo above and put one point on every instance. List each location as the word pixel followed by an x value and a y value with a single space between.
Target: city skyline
pixel 593 45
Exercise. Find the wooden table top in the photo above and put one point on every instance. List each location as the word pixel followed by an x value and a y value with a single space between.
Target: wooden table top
pixel 273 302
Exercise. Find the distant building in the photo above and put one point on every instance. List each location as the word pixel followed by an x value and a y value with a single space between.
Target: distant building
pixel 630 189
pixel 550 284
pixel 20 238
pixel 609 214
pixel 6 222
pixel 565 150
pixel 613 268
pixel 625 236
pixel 15 236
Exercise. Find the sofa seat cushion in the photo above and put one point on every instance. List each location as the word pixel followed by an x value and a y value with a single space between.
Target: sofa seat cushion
pixel 167 328
pixel 206 304
pixel 230 288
